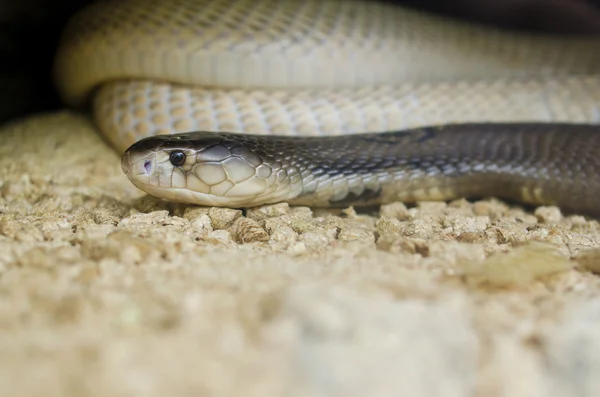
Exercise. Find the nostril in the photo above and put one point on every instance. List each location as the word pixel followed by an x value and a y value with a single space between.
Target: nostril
pixel 148 166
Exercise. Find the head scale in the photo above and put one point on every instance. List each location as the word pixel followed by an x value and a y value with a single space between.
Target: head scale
pixel 206 168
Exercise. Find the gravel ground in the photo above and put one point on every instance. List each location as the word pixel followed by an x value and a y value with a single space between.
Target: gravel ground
pixel 107 292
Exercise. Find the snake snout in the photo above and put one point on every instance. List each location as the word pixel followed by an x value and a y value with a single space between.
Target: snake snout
pixel 125 164
pixel 138 164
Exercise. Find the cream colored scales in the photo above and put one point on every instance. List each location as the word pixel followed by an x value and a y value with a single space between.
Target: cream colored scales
pixel 311 68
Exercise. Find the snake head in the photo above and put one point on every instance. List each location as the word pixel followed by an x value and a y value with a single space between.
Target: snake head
pixel 210 169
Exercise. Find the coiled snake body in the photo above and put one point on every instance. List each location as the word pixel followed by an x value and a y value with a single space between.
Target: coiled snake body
pixel 326 78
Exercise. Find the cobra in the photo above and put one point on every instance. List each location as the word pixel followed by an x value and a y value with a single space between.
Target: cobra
pixel 243 103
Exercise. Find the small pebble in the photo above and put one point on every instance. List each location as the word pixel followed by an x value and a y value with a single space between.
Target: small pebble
pixel 355 233
pixel 249 230
pixel 395 211
pixel 548 214
pixel 268 211
pixel 223 218
pixel 390 226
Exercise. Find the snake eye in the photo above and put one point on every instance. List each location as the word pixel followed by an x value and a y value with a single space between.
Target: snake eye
pixel 177 158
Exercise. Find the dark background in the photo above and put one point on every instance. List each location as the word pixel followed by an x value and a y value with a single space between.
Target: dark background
pixel 30 29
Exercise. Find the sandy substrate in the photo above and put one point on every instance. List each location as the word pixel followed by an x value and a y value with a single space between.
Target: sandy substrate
pixel 106 292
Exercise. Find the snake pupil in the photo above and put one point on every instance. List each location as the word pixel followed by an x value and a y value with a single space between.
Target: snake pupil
pixel 177 158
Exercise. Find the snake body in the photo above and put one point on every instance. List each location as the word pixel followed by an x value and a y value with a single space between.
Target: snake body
pixel 532 163
pixel 335 74
pixel 549 163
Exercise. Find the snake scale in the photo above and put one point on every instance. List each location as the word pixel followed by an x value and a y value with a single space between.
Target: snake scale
pixel 335 102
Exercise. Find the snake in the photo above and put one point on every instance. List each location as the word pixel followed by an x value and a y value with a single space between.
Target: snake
pixel 241 103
